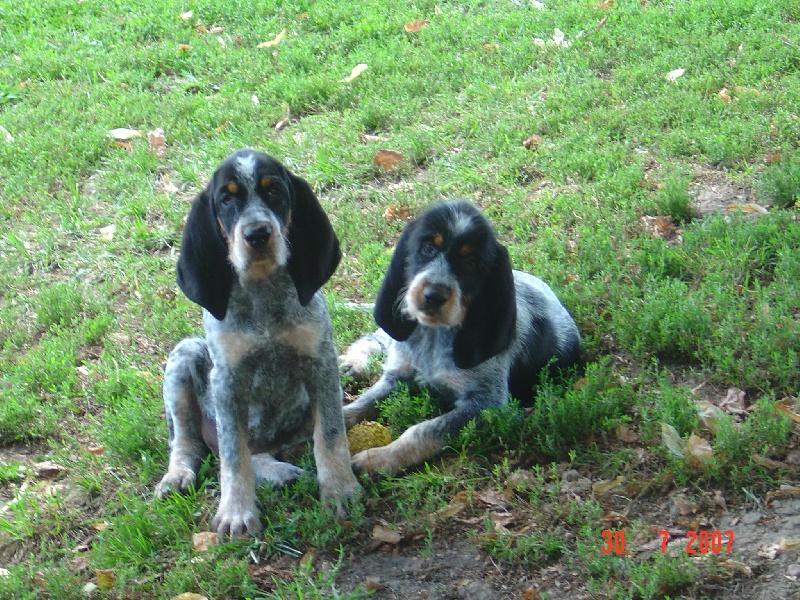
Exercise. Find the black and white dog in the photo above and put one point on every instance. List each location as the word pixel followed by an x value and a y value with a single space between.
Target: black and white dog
pixel 463 324
pixel 256 249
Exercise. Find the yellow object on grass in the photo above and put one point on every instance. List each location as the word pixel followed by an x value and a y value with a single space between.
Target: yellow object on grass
pixel 367 434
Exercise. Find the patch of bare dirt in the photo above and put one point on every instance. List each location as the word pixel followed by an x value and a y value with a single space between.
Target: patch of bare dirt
pixel 716 192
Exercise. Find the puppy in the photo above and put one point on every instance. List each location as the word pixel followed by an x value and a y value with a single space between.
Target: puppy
pixel 461 323
pixel 256 248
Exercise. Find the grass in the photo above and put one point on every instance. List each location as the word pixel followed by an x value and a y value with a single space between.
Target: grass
pixel 91 228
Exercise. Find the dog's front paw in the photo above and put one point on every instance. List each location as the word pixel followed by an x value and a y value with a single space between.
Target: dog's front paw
pixel 176 481
pixel 340 497
pixel 236 518
pixel 273 472
pixel 375 461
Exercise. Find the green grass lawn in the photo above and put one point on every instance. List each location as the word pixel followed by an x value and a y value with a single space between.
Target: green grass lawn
pixel 572 124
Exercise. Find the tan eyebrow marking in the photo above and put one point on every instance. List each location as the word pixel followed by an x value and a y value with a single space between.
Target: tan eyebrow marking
pixel 233 187
pixel 465 250
pixel 437 239
pixel 266 182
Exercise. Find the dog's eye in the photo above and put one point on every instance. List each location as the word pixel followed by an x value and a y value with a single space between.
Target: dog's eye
pixel 428 247
pixel 226 200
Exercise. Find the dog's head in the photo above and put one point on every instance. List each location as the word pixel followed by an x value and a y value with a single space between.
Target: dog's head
pixel 254 217
pixel 449 270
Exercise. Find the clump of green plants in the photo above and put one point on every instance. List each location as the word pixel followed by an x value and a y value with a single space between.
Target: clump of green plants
pixel 780 183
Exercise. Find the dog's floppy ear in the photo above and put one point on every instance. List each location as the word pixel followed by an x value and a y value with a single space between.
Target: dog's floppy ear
pixel 204 273
pixel 388 313
pixel 491 318
pixel 315 252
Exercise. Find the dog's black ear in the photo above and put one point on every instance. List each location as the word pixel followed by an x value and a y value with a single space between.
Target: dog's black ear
pixel 491 318
pixel 314 247
pixel 388 314
pixel 204 273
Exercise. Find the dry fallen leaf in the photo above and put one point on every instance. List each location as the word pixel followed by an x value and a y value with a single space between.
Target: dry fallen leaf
pixel 101 526
pixel 357 70
pixel 739 567
pixel 189 596
pixel 782 408
pixel 274 41
pixel 387 159
pixel 698 451
pixel 672 439
pixel 416 25
pixel 724 95
pixel 603 487
pixel 394 212
pixel 386 535
pixel 747 208
pixel 604 5
pixel 734 402
pixel 187 15
pixel 675 73
pixel 49 469
pixel 768 551
pixel 532 142
pixel 709 414
pixel 202 541
pixel 107 232
pixel 123 134
pixel 601 24
pixel 105 579
pixel 6 135
pixel 184 47
pixel 157 141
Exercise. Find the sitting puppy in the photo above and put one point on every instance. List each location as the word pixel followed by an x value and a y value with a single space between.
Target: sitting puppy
pixel 256 249
pixel 463 324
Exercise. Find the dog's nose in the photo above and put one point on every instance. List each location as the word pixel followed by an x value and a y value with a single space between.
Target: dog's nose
pixel 257 235
pixel 435 295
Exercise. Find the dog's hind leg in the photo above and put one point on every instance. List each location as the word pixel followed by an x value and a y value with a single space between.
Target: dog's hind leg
pixel 185 384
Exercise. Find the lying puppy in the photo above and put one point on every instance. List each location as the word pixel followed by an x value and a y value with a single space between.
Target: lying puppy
pixel 463 324
pixel 256 249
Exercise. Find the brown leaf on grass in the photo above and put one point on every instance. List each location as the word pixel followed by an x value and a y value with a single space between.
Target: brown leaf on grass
pixel 451 510
pixel 80 562
pixel 108 231
pixel 386 535
pixel 772 159
pixel 698 451
pixel 672 439
pixel 606 4
pixel 709 414
pixel 189 596
pixel 49 469
pixel 782 408
pixel 627 435
pixel 308 558
pixel 501 520
pixel 202 541
pixel 105 579
pixel 274 41
pixel 786 491
pixel 675 74
pixel 601 24
pixel 615 518
pixel 101 526
pixel 187 15
pixel 747 208
pixel 492 498
pixel 158 142
pixel 357 70
pixel 768 463
pixel 387 159
pixel 733 402
pixel 660 226
pixel 183 48
pixel 123 134
pixel 532 143
pixel 724 95
pixel 415 26
pixel 394 212
pixel 603 487
pixel 95 449
pixel 490 46
pixel 736 566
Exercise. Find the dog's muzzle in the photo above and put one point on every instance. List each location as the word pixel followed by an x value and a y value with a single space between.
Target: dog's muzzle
pixel 434 296
pixel 257 235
